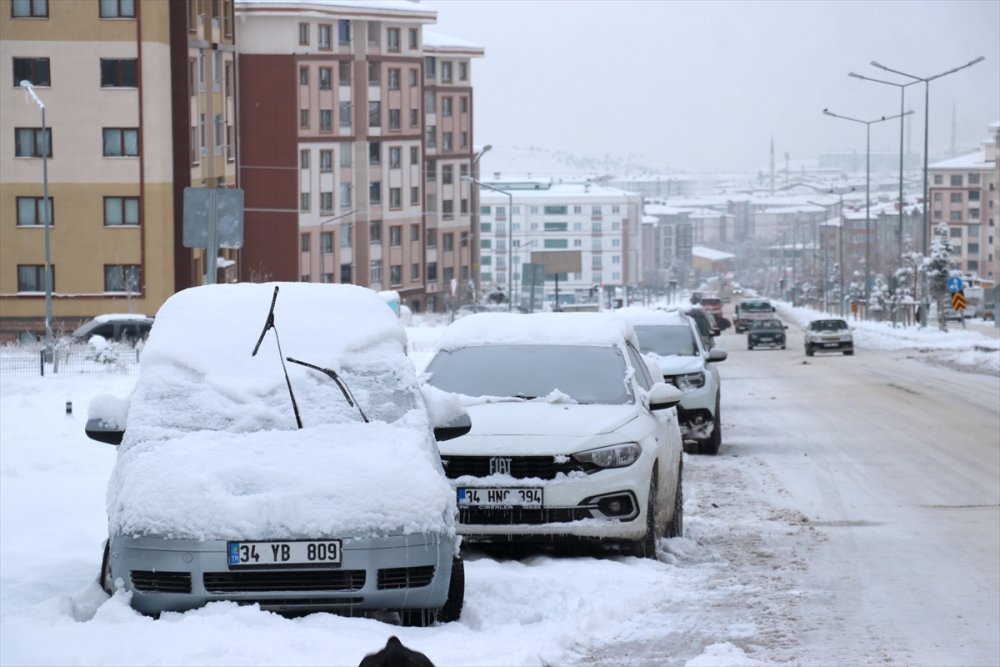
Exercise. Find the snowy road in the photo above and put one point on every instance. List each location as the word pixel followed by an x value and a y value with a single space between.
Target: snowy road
pixel 853 516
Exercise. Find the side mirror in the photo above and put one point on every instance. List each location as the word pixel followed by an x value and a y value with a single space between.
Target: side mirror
pixel 717 355
pixel 455 428
pixel 106 417
pixel 102 431
pixel 786 326
pixel 663 396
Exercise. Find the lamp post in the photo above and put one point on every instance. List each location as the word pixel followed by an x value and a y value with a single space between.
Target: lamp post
pixel 925 234
pixel 474 235
pixel 902 102
pixel 334 219
pixel 510 237
pixel 868 174
pixel 30 90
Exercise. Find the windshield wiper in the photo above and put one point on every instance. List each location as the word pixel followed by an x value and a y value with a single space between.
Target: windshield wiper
pixel 524 397
pixel 268 325
pixel 348 396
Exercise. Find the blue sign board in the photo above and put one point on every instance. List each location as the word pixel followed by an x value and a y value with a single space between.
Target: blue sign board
pixel 955 284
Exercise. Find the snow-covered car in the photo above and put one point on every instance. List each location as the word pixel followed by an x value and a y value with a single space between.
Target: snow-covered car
pixel 304 482
pixel 129 327
pixel 829 335
pixel 571 439
pixel 768 332
pixel 672 342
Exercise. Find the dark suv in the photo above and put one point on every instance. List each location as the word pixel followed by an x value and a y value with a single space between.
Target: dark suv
pixel 127 327
pixel 708 328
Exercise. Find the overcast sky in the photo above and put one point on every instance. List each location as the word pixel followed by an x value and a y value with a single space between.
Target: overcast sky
pixel 704 85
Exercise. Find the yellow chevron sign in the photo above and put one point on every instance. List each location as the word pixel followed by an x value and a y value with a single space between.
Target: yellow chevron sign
pixel 958 300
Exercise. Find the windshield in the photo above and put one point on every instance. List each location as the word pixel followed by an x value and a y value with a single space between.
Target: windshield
pixel 755 307
pixel 829 325
pixel 666 340
pixel 585 373
pixel 767 324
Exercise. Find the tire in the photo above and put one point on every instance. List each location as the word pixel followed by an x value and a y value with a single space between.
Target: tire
pixel 452 609
pixel 646 546
pixel 675 528
pixel 749 346
pixel 714 442
pixel 104 578
pixel 809 351
pixel 848 353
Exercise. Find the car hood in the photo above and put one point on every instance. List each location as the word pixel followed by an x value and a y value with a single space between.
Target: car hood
pixel 676 365
pixel 544 419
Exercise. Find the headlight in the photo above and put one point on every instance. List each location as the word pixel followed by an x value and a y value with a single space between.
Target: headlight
pixel 689 381
pixel 615 456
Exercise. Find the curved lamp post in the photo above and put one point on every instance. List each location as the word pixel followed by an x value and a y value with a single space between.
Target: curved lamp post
pixel 30 90
pixel 510 237
pixel 474 236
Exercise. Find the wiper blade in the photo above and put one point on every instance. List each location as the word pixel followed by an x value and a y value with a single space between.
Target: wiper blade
pixel 268 325
pixel 525 397
pixel 348 396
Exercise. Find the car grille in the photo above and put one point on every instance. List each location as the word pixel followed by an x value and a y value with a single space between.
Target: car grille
pixel 521 467
pixel 284 580
pixel 293 604
pixel 159 581
pixel 521 515
pixel 405 577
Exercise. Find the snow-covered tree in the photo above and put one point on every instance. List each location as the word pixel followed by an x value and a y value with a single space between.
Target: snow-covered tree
pixel 938 267
pixel 878 298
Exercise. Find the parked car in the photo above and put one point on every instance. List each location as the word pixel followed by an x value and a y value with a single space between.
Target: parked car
pixel 572 439
pixel 672 342
pixel 829 335
pixel 766 333
pixel 310 485
pixel 705 322
pixel 127 327
pixel 751 309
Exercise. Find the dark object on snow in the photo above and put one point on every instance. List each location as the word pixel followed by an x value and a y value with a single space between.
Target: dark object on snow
pixel 396 655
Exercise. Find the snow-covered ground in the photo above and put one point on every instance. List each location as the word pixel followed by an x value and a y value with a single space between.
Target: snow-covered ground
pixel 540 610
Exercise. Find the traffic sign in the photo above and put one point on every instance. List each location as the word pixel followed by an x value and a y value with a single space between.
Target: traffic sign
pixel 958 300
pixel 854 307
pixel 955 284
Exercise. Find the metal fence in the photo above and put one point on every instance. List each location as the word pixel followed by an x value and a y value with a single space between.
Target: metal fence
pixel 116 358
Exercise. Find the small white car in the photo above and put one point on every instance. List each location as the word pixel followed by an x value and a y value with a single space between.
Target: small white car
pixel 671 339
pixel 571 439
pixel 829 335
pixel 298 474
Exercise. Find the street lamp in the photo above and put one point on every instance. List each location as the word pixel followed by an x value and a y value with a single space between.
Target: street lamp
pixel 510 237
pixel 30 90
pixel 868 202
pixel 474 236
pixel 902 99
pixel 334 219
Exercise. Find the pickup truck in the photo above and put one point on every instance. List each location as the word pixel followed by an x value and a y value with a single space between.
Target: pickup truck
pixel 748 310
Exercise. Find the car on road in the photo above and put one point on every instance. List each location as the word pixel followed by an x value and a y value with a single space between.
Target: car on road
pixel 300 483
pixel 572 438
pixel 125 327
pixel 829 335
pixel 672 343
pixel 766 333
pixel 708 328
pixel 751 309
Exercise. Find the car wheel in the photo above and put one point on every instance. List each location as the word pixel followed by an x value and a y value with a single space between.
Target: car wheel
pixel 418 618
pixel 782 346
pixel 714 442
pixel 452 609
pixel 749 346
pixel 848 353
pixel 107 585
pixel 646 546
pixel 809 351
pixel 676 526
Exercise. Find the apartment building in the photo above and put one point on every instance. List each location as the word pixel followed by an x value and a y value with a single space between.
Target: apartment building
pixel 355 133
pixel 599 224
pixel 137 106
pixel 964 194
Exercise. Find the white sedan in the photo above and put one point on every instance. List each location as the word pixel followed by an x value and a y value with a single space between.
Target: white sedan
pixel 572 437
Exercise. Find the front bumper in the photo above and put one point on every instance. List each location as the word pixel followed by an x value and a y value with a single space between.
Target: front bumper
pixel 830 345
pixel 769 340
pixel 392 572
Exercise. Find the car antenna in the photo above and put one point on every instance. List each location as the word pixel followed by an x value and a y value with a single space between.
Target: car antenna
pixel 268 325
pixel 340 383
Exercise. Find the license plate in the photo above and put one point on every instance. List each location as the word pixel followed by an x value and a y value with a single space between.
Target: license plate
pixel 830 344
pixel 250 555
pixel 530 496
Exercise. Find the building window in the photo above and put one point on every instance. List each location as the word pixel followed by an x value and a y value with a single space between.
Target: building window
pixel 432 272
pixel 396 235
pixel 431 138
pixel 304 241
pixel 120 211
pixel 345 72
pixel 326 161
pixel 345 236
pixel 31 277
pixel 447 209
pixel 414 232
pixel 345 194
pixel 325 120
pixel 447 174
pixel 117 9
pixel 446 141
pixel 345 155
pixel 345 115
pixel 345 274
pixel 464 140
pixel 303 76
pixel 973 249
pixel 413 78
pixel 414 196
pixel 414 272
pixel 325 78
pixel 374 74
pixel 556 243
pixel 35 9
pixel 119 73
pixel 396 274
pixel 414 43
pixel 304 201
pixel 445 71
pixel 395 198
pixel 375 152
pixel 376 271
pixel 414 118
pixel 344 33
pixel 938 179
pixel 375 192
pixel 394 119
pixel 122 278
pixel 121 142
pixel 375 232
pixel 304 118
pixel 374 114
pixel 431 238
pixel 323 37
pixel 326 278
pixel 33 70
pixel 429 67
pixel 446 106
pixel 31 211
pixel 394 157
pixel 304 159
pixel 956 180
pixel 463 72
pixel 394 79
pixel 326 241
pixel 326 202
pixel 956 216
pixel 956 197
pixel 973 179
pixel 448 242
pixel 303 34
pixel 392 35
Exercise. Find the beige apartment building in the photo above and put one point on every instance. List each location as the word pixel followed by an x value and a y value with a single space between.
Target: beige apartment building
pixel 965 193
pixel 139 104
pixel 353 135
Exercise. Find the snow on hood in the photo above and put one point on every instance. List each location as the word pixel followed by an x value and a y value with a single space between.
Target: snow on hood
pixel 537 328
pixel 542 418
pixel 211 447
pixel 674 364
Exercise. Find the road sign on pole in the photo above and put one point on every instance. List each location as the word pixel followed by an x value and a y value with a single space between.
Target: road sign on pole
pixel 958 300
pixel 955 284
